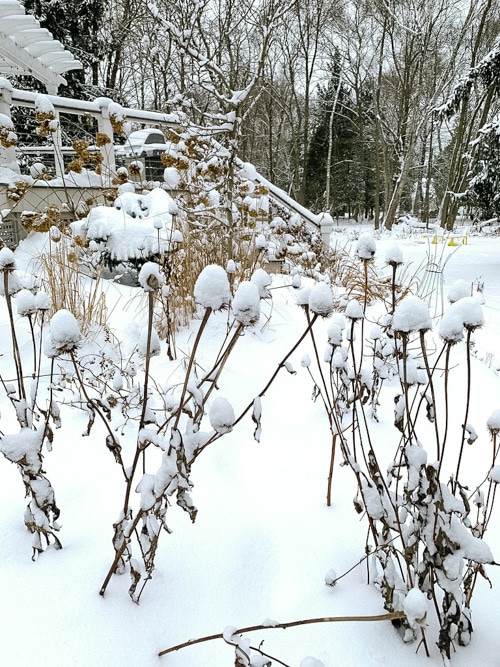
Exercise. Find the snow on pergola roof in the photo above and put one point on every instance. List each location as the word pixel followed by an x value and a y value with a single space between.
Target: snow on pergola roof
pixel 26 48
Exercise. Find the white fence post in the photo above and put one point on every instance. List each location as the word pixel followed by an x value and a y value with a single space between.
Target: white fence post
pixel 108 150
pixel 326 224
pixel 58 154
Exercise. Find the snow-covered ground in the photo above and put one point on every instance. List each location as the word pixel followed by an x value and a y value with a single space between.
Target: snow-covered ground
pixel 264 538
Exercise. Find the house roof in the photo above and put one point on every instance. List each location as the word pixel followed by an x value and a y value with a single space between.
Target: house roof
pixel 26 48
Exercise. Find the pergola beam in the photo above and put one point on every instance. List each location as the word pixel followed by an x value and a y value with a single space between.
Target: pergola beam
pixel 11 52
pixel 26 48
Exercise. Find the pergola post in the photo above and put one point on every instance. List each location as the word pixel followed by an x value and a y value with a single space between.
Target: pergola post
pixel 57 137
pixel 7 155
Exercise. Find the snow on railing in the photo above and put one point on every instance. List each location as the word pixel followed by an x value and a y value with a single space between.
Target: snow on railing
pixel 323 221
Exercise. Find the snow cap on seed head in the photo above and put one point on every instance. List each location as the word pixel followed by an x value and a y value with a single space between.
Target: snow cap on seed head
pixel 334 334
pixel 411 314
pixel 464 313
pixel 321 300
pixel 353 310
pixel 303 297
pixel 150 277
pixel 26 303
pixel 260 242
pixel 246 303
pixel 7 259
pixel 262 279
pixel 493 422
pixel 221 415
pixel 459 290
pixel 211 289
pixel 394 255
pixel 65 334
pixel 366 246
pixel 43 301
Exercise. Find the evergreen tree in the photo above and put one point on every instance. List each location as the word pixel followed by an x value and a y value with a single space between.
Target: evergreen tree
pixel 483 193
pixel 334 94
pixel 475 143
pixel 351 176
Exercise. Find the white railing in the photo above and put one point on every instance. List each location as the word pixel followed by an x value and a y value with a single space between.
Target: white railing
pixel 106 112
pixel 103 109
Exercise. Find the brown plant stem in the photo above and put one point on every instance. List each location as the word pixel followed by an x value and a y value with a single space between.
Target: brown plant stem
pixel 119 553
pixel 203 324
pixel 15 347
pixel 467 404
pixel 330 472
pixel 316 354
pixel 431 387
pixel 279 367
pixel 393 286
pixel 283 626
pixel 151 296
pixel 94 405
pixel 148 358
pixel 446 405
pixel 213 375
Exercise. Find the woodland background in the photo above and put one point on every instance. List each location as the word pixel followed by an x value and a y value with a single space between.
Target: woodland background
pixel 366 109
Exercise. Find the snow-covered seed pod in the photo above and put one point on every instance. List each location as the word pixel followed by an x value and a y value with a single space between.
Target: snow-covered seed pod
pixel 321 300
pixel 7 261
pixel 246 304
pixel 466 313
pixel 394 256
pixel 150 278
pixel 354 311
pixel 366 247
pixel 493 423
pixel 26 303
pixel 221 415
pixel 212 289
pixel 65 334
pixel 411 314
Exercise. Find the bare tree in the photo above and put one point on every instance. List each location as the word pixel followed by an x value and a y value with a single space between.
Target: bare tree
pixel 224 52
pixel 469 107
pixel 420 50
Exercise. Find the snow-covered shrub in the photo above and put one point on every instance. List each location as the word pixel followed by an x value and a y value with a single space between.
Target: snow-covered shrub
pixel 169 440
pixel 24 448
pixel 425 542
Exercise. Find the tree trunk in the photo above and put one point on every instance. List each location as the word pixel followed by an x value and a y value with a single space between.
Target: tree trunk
pixel 393 205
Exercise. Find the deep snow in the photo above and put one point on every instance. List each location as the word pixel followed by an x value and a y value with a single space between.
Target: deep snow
pixel 263 540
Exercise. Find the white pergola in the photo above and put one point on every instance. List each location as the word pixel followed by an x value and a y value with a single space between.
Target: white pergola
pixel 26 48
